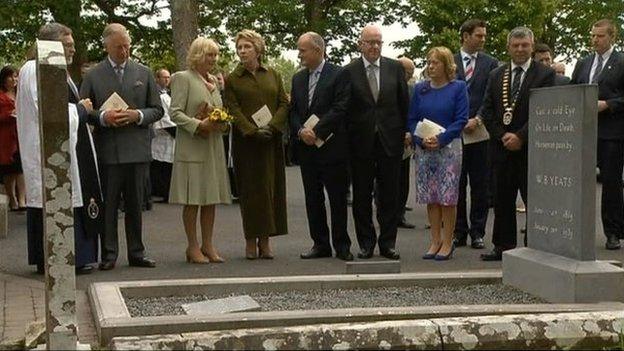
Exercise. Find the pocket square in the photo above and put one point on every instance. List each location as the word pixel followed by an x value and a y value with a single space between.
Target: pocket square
pixel 138 83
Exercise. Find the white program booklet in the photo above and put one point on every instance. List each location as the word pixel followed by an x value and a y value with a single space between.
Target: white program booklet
pixel 114 102
pixel 427 128
pixel 480 133
pixel 310 123
pixel 262 117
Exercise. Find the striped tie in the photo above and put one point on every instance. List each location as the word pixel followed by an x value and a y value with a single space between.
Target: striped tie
pixel 470 60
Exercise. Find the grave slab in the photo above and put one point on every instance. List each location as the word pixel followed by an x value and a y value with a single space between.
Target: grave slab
pixel 243 303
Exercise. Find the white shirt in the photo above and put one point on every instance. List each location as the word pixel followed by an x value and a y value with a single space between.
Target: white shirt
pixel 605 58
pixel 163 144
pixel 366 64
pixel 525 67
pixel 27 109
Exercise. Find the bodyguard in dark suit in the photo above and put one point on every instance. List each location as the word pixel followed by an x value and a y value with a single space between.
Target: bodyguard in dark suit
pixel 544 55
pixel 122 140
pixel 605 67
pixel 505 113
pixel 316 90
pixel 377 128
pixel 474 67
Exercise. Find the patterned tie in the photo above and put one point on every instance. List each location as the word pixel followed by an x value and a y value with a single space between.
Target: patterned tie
pixel 372 81
pixel 119 73
pixel 516 81
pixel 598 69
pixel 314 77
pixel 470 60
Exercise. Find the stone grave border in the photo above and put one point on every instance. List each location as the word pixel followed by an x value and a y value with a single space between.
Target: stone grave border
pixel 112 318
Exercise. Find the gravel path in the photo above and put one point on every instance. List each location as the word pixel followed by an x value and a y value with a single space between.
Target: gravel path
pixel 347 298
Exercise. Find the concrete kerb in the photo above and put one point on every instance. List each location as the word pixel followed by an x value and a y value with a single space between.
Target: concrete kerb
pixel 585 330
pixel 112 318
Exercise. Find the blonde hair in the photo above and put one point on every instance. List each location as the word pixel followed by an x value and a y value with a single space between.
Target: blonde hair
pixel 445 56
pixel 254 38
pixel 200 47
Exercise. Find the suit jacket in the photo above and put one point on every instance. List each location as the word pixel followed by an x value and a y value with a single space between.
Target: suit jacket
pixel 537 76
pixel 561 80
pixel 610 88
pixel 131 143
pixel 476 87
pixel 329 103
pixel 188 93
pixel 387 116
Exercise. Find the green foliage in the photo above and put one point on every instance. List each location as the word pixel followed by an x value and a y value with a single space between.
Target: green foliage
pixel 562 24
pixel 286 69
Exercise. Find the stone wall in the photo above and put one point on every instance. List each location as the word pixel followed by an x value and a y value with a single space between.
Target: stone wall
pixel 587 330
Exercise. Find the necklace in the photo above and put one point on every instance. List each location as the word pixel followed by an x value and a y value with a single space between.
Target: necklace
pixel 509 107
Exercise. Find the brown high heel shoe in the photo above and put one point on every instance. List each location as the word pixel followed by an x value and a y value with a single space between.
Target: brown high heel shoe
pixel 196 257
pixel 265 254
pixel 250 249
pixel 214 258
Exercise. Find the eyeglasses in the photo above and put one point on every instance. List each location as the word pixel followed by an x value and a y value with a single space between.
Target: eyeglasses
pixel 373 42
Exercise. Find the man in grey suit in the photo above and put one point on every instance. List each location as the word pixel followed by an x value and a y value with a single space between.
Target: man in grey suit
pixel 122 140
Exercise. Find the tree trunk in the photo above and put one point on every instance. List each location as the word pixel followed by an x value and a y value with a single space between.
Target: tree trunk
pixel 184 25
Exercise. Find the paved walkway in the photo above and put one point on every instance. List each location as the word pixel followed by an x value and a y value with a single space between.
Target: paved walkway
pixel 23 302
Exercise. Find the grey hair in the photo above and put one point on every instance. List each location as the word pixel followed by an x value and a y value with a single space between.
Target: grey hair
pixel 520 32
pixel 316 40
pixel 114 28
pixel 53 31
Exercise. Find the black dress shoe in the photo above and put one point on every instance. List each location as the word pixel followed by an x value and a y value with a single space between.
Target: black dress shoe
pixel 86 269
pixel 390 254
pixel 407 208
pixel 405 224
pixel 495 255
pixel 460 242
pixel 477 243
pixel 613 243
pixel 365 254
pixel 345 256
pixel 142 262
pixel 315 253
pixel 107 265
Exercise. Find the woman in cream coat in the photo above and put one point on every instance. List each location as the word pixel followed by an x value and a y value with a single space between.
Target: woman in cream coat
pixel 199 179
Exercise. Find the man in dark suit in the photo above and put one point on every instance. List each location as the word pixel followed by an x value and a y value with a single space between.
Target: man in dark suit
pixel 316 90
pixel 505 112
pixel 474 67
pixel 377 128
pixel 122 140
pixel 544 55
pixel 605 67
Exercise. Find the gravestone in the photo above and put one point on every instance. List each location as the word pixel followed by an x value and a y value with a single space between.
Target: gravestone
pixel 58 231
pixel 559 263
pixel 243 303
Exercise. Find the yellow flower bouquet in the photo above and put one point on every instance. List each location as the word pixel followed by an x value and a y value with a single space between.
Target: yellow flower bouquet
pixel 220 115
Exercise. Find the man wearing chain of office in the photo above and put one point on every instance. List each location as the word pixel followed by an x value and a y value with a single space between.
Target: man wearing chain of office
pixel 505 112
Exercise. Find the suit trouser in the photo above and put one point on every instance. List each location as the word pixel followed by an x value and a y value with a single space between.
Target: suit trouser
pixel 404 186
pixel 611 162
pixel 333 178
pixel 127 180
pixel 476 170
pixel 385 171
pixel 511 177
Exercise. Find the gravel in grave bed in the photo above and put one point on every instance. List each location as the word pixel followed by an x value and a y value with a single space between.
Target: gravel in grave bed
pixel 345 298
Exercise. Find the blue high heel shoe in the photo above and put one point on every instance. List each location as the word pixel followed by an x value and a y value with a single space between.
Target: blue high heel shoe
pixel 444 257
pixel 431 256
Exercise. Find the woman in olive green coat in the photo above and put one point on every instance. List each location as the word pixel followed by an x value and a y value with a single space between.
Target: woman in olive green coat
pixel 258 152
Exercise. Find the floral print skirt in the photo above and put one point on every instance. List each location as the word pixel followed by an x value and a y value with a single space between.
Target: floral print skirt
pixel 437 174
